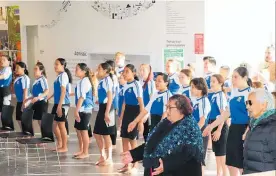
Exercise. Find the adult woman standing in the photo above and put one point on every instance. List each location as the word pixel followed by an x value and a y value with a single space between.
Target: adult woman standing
pixel 174 147
pixel 261 138
pixel 239 121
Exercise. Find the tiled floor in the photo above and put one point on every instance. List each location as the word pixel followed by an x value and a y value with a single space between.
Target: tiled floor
pixel 69 166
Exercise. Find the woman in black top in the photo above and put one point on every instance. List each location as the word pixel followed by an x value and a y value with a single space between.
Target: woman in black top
pixel 174 147
pixel 260 144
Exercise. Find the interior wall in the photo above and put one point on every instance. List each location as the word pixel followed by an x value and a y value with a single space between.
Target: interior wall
pixel 84 29
pixel 239 31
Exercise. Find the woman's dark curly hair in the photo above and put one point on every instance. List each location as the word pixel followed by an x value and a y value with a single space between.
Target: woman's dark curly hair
pixel 183 104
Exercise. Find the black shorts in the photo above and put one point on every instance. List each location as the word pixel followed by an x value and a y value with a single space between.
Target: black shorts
pixel 100 126
pixel 39 108
pixel 18 110
pixel 234 147
pixel 219 147
pixel 84 121
pixel 131 112
pixel 65 109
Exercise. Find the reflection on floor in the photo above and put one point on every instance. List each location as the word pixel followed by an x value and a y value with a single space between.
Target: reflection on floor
pixel 69 166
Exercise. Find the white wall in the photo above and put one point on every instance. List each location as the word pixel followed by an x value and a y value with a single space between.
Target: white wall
pixel 84 29
pixel 235 31
pixel 239 30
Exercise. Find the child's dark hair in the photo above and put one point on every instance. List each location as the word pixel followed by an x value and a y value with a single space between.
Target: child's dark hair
pixel 41 68
pixel 63 62
pixel 249 82
pixel 133 69
pixel 113 65
pixel 220 80
pixel 200 84
pixel 243 72
pixel 86 69
pixel 23 65
pixel 165 77
pixel 150 75
pixel 211 59
pixel 108 69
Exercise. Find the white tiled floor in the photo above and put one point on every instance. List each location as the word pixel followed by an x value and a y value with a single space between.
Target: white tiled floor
pixel 70 166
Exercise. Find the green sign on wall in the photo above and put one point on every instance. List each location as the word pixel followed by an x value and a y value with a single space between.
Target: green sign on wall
pixel 176 54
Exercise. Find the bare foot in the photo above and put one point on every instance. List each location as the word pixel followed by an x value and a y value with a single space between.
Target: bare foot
pixel 100 161
pixel 82 156
pixel 106 162
pixel 62 150
pixel 77 153
pixel 125 168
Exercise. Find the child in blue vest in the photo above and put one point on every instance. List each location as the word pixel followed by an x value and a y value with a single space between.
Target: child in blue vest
pixel 157 104
pixel 61 102
pixel 105 120
pixel 5 81
pixel 148 86
pixel 83 112
pixel 201 107
pixel 171 70
pixel 21 88
pixel 40 91
pixel 220 134
pixel 132 106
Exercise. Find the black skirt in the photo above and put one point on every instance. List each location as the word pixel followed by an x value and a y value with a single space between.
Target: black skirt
pixel 219 147
pixel 84 121
pixel 155 119
pixel 234 147
pixel 18 110
pixel 65 109
pixel 100 126
pixel 131 112
pixel 4 91
pixel 39 108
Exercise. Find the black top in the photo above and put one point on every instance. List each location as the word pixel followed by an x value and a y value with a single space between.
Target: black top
pixel 260 147
pixel 182 163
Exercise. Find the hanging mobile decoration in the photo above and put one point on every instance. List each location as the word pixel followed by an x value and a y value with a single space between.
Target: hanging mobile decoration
pixel 65 5
pixel 113 10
